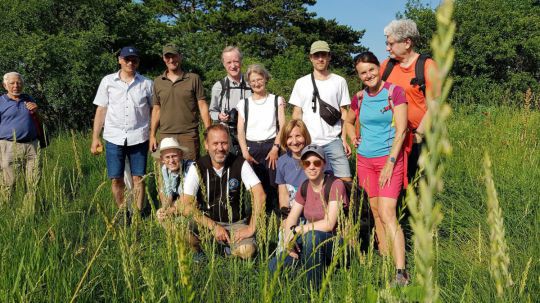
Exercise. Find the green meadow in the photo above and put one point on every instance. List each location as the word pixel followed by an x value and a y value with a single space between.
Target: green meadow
pixel 58 241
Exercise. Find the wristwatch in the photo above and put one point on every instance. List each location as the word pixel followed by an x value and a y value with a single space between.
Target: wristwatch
pixel 392 160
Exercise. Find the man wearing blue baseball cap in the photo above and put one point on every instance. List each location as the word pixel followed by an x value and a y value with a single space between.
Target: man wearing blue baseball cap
pixel 123 102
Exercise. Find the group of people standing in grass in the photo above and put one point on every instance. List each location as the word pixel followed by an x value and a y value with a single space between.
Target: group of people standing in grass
pixel 298 168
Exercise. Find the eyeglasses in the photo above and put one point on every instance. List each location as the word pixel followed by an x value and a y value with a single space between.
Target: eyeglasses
pixel 316 163
pixel 172 157
pixel 391 44
pixel 255 81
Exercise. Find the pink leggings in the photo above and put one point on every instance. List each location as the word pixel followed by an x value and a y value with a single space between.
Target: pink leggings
pixel 369 170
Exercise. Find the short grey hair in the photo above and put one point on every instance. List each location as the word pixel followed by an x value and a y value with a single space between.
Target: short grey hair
pixel 258 69
pixel 12 74
pixel 231 48
pixel 402 29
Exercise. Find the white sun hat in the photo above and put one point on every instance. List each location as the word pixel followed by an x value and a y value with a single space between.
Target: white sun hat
pixel 169 143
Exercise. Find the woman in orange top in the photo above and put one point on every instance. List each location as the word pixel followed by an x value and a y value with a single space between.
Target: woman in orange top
pixel 401 37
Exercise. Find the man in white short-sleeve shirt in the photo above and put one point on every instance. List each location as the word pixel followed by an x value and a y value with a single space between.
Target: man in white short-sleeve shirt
pixel 333 90
pixel 217 205
pixel 123 102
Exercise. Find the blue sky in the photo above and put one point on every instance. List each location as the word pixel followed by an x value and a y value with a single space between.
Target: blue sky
pixel 371 15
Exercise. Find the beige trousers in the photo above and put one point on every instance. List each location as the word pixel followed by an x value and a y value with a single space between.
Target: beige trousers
pixel 17 158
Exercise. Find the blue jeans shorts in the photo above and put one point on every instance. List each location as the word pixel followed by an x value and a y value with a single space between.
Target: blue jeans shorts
pixel 335 155
pixel 116 159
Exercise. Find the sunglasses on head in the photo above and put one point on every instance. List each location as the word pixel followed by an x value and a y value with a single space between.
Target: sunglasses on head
pixel 316 163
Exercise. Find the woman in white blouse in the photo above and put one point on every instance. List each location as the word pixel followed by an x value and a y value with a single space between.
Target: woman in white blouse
pixel 260 120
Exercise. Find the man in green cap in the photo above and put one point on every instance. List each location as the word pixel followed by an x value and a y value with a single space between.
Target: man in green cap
pixel 177 104
pixel 312 97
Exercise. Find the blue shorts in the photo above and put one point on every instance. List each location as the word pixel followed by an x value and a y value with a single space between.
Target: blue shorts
pixel 335 155
pixel 116 159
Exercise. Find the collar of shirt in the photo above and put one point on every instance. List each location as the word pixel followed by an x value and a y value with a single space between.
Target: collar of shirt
pixel 185 75
pixel 22 97
pixel 135 79
pixel 234 83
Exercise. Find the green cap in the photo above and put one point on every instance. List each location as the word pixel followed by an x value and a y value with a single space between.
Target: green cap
pixel 319 46
pixel 171 49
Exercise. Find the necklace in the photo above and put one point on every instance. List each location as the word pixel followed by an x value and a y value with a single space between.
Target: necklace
pixel 258 101
pixel 297 164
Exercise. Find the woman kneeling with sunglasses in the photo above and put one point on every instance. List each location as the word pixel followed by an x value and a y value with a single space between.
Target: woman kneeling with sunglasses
pixel 311 243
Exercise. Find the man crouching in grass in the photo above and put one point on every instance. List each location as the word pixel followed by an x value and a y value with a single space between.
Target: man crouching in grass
pixel 173 170
pixel 218 206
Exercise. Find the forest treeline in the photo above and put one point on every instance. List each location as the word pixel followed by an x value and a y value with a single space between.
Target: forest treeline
pixel 64 48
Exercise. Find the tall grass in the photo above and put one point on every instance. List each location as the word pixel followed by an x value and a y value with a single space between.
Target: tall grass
pixel 499 261
pixel 69 247
pixel 425 211
pixel 44 257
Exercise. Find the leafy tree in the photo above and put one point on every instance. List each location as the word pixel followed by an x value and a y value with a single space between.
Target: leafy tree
pixel 497 44
pixel 63 49
pixel 262 28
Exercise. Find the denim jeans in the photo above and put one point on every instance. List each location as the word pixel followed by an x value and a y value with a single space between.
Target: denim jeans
pixel 315 258
pixel 116 155
pixel 335 155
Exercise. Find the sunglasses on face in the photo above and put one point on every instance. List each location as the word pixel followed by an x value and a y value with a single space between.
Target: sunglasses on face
pixel 316 163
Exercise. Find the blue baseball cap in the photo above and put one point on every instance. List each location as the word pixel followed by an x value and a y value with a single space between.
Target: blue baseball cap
pixel 128 51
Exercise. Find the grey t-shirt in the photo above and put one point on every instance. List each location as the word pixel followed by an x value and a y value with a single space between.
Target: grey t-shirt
pixel 237 91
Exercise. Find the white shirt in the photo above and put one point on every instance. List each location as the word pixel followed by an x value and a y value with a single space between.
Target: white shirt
pixel 128 108
pixel 333 91
pixel 261 117
pixel 191 182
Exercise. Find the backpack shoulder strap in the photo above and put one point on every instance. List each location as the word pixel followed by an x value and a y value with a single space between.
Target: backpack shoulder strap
pixel 420 77
pixel 328 181
pixel 246 114
pixel 390 94
pixel 303 189
pixel 224 89
pixel 276 106
pixel 388 70
pixel 360 98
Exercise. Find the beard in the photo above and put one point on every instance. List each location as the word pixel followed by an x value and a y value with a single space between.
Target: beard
pixel 219 157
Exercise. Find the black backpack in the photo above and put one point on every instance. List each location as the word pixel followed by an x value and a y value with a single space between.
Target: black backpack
pixel 226 90
pixel 419 79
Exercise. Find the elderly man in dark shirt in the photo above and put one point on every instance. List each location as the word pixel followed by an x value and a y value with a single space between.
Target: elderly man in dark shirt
pixel 18 132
